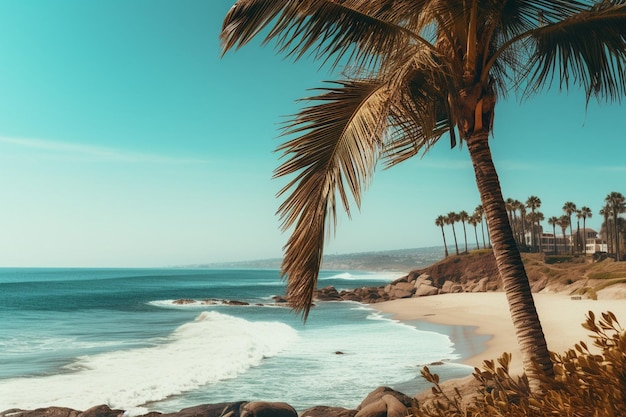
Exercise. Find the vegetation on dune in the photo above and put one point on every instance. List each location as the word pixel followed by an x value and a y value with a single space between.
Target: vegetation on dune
pixel 586 383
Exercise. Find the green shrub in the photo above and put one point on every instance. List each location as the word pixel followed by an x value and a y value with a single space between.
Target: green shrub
pixel 585 383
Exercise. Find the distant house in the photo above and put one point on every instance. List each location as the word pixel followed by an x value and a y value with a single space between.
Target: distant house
pixel 596 245
pixel 564 243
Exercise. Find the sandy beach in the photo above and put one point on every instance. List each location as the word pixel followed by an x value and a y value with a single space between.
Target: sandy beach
pixel 560 315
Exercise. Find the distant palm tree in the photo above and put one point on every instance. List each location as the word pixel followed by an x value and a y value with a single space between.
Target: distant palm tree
pixel 451 219
pixel 478 211
pixel 617 202
pixel 539 217
pixel 441 221
pixel 585 213
pixel 522 211
pixel 533 202
pixel 510 209
pixel 564 223
pixel 416 71
pixel 570 208
pixel 474 220
pixel 606 213
pixel 519 226
pixel 463 217
pixel 553 221
pixel 578 237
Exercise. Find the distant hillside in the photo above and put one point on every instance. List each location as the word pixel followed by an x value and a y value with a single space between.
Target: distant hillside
pixel 402 260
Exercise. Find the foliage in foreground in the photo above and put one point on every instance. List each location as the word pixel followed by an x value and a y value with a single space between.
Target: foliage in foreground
pixel 586 383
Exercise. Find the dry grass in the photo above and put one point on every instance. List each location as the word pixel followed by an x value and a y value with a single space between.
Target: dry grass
pixel 585 383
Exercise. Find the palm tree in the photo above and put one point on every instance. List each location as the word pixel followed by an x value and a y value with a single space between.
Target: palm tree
pixel 441 221
pixel 452 218
pixel 478 211
pixel 533 202
pixel 510 209
pixel 474 220
pixel 519 226
pixel 570 208
pixel 564 222
pixel 606 213
pixel 553 221
pixel 617 202
pixel 463 217
pixel 578 237
pixel 522 211
pixel 416 71
pixel 585 213
pixel 539 217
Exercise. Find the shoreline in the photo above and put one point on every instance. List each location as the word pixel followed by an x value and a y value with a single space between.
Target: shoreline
pixel 485 318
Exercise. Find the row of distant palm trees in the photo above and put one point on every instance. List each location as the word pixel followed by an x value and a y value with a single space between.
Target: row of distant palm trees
pixel 526 217
pixel 475 219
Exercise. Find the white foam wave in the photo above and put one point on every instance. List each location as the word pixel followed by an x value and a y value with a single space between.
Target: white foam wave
pixel 364 276
pixel 203 304
pixel 213 347
pixel 37 344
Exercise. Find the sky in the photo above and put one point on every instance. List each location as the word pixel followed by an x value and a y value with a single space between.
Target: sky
pixel 126 140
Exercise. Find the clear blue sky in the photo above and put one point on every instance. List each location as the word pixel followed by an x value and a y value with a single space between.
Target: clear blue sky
pixel 126 141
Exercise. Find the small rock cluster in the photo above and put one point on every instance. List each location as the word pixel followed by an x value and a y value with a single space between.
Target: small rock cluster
pixel 412 285
pixel 382 402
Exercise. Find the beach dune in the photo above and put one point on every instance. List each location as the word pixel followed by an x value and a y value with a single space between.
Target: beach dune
pixel 561 318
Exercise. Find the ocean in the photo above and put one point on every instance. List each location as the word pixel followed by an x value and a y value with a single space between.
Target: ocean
pixel 83 337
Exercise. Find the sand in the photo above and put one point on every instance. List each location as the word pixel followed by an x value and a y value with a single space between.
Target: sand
pixel 561 318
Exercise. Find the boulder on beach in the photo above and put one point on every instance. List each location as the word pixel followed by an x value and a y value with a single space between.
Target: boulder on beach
pixel 325 411
pixel 384 402
pixel 267 409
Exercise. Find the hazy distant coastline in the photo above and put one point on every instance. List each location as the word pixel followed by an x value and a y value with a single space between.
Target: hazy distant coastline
pixel 402 260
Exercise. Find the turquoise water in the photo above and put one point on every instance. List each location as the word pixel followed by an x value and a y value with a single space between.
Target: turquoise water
pixel 82 337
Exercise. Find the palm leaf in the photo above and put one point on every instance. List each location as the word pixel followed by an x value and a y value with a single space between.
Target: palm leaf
pixel 420 113
pixel 362 31
pixel 336 153
pixel 588 49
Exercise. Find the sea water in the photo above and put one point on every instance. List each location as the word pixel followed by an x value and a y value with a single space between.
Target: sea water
pixel 82 337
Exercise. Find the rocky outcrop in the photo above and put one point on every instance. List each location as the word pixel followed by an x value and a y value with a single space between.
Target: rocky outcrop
pixel 474 272
pixel 97 411
pixel 382 402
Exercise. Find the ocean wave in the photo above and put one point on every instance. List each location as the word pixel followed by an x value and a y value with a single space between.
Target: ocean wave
pixel 362 276
pixel 189 303
pixel 209 349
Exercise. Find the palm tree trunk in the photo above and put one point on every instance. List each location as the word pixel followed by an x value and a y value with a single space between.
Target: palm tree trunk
pixel 482 228
pixel 616 233
pixel 476 236
pixel 445 245
pixel 571 238
pixel 585 236
pixel 465 236
pixel 523 239
pixel 456 246
pixel 530 337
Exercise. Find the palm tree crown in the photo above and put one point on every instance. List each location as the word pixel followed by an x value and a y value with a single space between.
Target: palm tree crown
pixel 419 70
pixel 570 208
pixel 617 204
pixel 441 221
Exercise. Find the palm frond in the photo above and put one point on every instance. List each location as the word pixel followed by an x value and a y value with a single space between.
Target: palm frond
pixel 356 30
pixel 588 49
pixel 336 153
pixel 420 112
